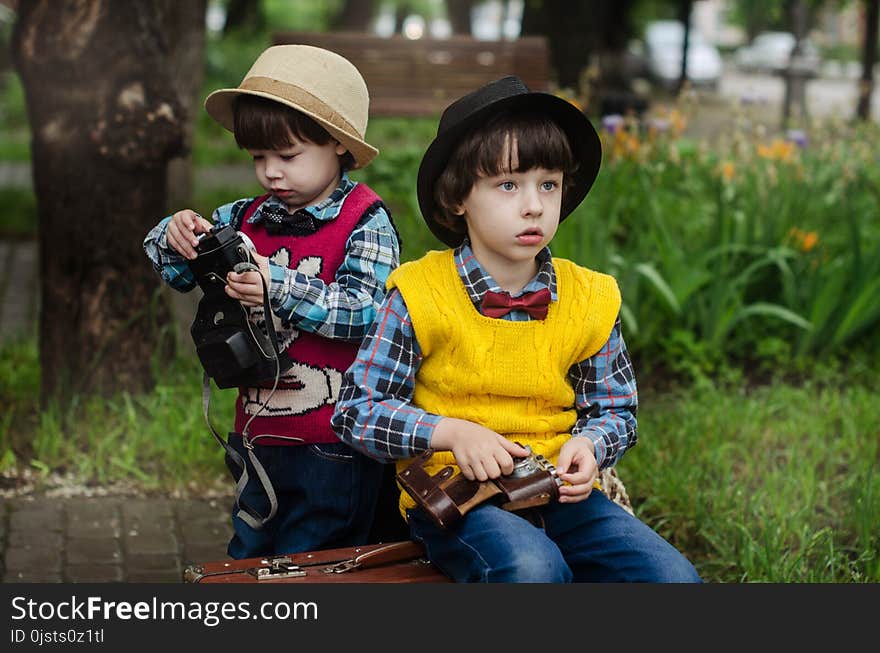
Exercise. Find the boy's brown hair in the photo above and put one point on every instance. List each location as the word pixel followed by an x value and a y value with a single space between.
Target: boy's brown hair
pixel 539 142
pixel 263 124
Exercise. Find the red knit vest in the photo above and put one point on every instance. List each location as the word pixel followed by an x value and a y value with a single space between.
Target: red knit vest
pixel 303 403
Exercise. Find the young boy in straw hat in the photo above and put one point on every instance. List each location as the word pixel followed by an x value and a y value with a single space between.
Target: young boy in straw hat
pixel 325 246
pixel 494 342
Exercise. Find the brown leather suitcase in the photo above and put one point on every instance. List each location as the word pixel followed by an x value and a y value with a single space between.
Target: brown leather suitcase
pixel 393 562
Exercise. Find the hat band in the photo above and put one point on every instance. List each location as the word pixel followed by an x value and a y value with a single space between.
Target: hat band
pixel 303 99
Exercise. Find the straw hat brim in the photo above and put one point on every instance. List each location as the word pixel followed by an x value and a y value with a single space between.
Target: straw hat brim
pixel 219 106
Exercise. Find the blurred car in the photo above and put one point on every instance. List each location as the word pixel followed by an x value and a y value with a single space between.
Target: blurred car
pixel 664 41
pixel 771 52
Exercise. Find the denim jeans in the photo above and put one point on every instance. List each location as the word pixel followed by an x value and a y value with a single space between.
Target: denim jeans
pixel 594 540
pixel 326 498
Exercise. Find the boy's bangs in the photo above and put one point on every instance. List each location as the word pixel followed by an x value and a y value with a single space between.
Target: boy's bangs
pixel 266 125
pixel 540 143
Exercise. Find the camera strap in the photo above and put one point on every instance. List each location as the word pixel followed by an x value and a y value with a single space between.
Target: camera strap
pixel 248 514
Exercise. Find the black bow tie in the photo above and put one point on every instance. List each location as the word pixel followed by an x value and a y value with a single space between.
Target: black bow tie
pixel 281 223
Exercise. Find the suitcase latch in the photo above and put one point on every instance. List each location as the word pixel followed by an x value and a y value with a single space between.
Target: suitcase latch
pixel 278 567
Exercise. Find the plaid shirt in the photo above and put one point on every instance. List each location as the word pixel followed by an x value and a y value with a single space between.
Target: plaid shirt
pixel 375 413
pixel 343 309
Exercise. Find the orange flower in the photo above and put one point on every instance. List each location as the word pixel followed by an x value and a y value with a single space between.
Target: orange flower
pixel 778 150
pixel 728 170
pixel 806 241
pixel 811 239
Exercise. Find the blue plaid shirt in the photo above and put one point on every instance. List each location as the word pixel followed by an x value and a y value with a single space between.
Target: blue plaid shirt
pixel 343 309
pixel 375 411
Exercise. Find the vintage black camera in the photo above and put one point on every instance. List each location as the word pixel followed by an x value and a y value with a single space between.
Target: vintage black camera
pixel 232 349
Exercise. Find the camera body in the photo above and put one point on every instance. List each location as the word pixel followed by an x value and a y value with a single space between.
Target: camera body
pixel 233 350
pixel 219 251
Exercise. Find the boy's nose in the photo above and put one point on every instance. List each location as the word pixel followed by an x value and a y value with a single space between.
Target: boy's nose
pixel 532 204
pixel 273 169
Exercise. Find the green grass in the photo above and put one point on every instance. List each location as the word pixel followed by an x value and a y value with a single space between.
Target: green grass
pixel 776 483
pixel 159 440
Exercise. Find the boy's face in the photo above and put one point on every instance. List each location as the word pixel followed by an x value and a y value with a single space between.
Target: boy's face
pixel 301 174
pixel 511 216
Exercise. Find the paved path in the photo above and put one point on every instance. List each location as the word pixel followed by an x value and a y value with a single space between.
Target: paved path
pixel 108 539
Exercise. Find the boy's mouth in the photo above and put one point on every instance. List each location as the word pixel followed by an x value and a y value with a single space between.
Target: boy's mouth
pixel 530 236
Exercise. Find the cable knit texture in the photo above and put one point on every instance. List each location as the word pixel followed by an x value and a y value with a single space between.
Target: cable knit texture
pixel 511 377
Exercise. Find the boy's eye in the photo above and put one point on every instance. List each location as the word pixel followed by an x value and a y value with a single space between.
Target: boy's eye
pixel 257 157
pixel 550 185
pixel 287 157
pixel 507 185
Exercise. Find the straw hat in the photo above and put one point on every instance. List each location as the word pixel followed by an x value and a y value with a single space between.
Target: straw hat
pixel 476 108
pixel 319 83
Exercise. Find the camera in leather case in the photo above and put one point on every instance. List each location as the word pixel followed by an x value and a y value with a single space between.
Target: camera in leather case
pixel 232 349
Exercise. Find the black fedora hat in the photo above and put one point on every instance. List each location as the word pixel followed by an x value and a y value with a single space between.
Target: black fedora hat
pixel 507 93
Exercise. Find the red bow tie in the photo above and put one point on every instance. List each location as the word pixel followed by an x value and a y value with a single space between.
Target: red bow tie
pixel 497 304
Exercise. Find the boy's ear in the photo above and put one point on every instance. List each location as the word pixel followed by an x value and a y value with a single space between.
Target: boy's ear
pixel 340 149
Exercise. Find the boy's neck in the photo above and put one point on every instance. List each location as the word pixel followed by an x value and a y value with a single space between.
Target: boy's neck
pixel 510 277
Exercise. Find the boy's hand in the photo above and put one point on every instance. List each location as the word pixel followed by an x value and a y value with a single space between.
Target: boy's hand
pixel 480 452
pixel 182 230
pixel 576 466
pixel 247 287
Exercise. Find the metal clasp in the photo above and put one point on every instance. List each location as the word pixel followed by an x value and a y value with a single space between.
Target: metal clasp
pixel 279 567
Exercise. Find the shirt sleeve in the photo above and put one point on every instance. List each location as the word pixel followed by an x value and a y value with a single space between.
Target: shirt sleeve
pixel 374 412
pixel 170 265
pixel 345 308
pixel 606 398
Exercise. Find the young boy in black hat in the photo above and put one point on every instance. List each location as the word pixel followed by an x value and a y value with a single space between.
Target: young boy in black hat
pixel 494 344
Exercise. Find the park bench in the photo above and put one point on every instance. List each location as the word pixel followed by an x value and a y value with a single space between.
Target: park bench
pixel 422 77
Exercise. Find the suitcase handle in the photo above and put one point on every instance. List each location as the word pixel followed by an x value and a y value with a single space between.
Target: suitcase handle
pixel 394 552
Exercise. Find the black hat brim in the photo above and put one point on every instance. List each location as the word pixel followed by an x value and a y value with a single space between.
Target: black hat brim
pixel 584 141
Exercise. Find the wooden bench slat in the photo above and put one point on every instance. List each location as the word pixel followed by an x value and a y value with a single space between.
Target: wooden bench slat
pixel 421 77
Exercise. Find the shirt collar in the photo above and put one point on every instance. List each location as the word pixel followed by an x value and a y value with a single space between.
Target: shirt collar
pixel 324 210
pixel 477 281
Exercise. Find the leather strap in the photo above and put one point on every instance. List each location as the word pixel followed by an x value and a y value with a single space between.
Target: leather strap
pixel 447 497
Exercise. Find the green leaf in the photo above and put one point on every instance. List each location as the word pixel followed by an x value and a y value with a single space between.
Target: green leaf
pixel 765 309
pixel 861 312
pixel 659 284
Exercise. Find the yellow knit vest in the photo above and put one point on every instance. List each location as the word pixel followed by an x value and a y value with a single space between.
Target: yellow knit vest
pixel 511 377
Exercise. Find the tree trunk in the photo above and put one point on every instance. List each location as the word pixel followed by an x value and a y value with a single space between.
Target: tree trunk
pixel 245 16
pixel 869 57
pixel 580 34
pixel 105 118
pixel 685 7
pixel 355 16
pixel 459 12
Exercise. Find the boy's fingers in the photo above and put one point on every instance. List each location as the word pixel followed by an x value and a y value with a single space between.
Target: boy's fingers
pixel 513 448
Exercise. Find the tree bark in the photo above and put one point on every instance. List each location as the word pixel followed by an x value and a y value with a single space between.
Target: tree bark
pixel 869 57
pixel 579 33
pixel 459 12
pixel 245 16
pixel 355 16
pixel 685 7
pixel 106 117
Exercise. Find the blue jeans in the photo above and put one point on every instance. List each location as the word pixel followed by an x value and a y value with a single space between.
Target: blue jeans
pixel 591 541
pixel 326 498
